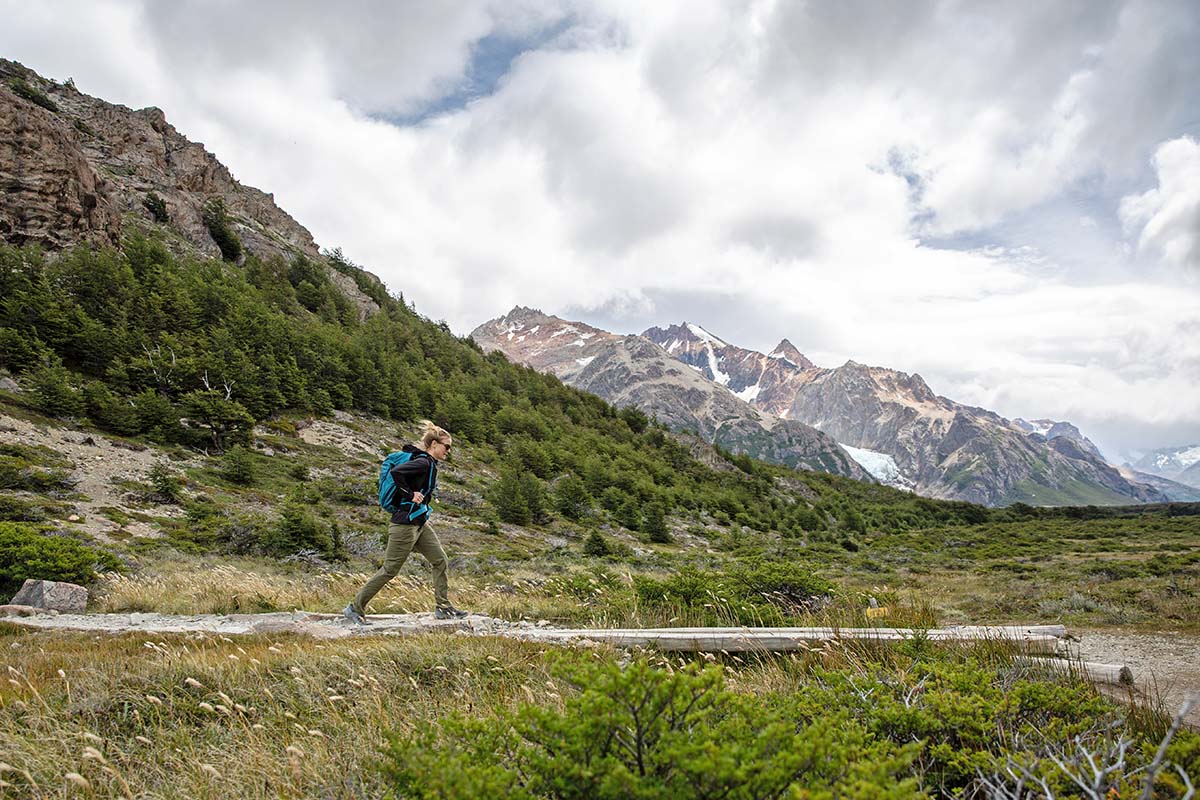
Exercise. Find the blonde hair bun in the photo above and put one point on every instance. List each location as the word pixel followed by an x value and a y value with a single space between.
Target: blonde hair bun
pixel 431 433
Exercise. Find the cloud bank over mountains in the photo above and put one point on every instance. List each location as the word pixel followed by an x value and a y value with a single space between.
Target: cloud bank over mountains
pixel 1002 198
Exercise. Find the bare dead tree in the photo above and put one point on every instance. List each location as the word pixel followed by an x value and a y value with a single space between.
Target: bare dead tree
pixel 227 385
pixel 1094 768
pixel 161 367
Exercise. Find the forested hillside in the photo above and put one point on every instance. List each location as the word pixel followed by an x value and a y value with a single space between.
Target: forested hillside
pixel 141 342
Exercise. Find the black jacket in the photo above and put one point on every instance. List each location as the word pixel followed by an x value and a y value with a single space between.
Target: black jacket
pixel 418 474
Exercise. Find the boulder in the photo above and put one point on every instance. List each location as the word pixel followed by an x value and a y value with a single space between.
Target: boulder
pixel 7 384
pixel 66 598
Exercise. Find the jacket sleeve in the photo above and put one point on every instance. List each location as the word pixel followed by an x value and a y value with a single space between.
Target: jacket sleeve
pixel 410 477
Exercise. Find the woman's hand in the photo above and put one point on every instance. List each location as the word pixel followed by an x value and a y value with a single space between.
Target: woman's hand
pixel 418 497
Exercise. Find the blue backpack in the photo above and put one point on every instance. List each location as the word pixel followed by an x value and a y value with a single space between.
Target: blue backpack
pixel 387 486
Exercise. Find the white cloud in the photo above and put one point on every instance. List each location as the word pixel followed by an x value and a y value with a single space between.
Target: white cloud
pixel 790 159
pixel 1168 216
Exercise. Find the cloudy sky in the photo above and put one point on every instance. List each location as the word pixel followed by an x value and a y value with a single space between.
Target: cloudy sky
pixel 1003 197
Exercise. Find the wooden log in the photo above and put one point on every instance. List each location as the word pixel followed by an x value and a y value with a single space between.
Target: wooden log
pixel 1119 674
pixel 741 640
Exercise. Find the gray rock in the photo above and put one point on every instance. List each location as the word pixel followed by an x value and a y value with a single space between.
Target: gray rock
pixel 67 598
pixel 9 385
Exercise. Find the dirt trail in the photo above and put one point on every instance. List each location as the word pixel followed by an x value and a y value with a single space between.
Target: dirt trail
pixel 1166 665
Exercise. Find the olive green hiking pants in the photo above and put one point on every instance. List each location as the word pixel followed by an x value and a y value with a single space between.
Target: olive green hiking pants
pixel 402 540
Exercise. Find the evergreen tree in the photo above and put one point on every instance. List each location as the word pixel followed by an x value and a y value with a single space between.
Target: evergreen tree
pixel 237 466
pixel 227 421
pixel 571 498
pixel 508 498
pixel 629 514
pixel 655 523
pixel 52 389
pixel 596 545
pixel 535 498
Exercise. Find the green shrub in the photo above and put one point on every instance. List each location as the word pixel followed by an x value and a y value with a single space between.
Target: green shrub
pixel 32 469
pixel 237 466
pixel 216 219
pixel 14 509
pixel 571 498
pixel 22 88
pixel 298 530
pixel 157 208
pixel 507 497
pixel 166 482
pixel 25 553
pixel 655 523
pixel 596 545
pixel 53 389
pixel 646 732
pixel 754 593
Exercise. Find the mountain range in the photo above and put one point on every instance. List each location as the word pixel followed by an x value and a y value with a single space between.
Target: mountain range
pixel 889 421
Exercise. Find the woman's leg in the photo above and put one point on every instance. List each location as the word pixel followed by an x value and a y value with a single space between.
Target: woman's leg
pixel 428 545
pixel 399 545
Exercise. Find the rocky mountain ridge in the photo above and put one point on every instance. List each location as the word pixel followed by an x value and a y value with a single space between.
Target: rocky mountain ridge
pixel 78 170
pixel 893 420
pixel 633 371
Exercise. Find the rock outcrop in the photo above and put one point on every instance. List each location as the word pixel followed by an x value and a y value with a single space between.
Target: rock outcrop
pixel 76 169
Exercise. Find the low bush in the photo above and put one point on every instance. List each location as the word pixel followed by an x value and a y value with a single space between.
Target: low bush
pixel 752 593
pixel 645 732
pixel 216 219
pixel 22 88
pixel 26 553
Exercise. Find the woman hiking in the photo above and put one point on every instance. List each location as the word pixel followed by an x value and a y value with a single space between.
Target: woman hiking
pixel 416 480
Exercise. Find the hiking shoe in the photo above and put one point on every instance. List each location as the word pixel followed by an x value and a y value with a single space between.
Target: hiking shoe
pixel 358 619
pixel 449 612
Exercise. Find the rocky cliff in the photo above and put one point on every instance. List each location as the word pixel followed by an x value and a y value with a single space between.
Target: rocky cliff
pixel 76 169
pixel 633 371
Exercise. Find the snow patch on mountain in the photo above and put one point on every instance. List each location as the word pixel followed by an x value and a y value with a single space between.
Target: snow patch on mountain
pixel 781 357
pixel 882 467
pixel 749 393
pixel 583 362
pixel 1189 456
pixel 714 367
pixel 564 329
pixel 1039 426
pixel 704 335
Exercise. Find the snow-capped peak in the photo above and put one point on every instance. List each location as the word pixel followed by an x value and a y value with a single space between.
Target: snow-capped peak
pixel 704 335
